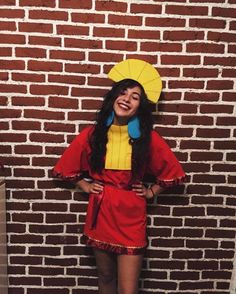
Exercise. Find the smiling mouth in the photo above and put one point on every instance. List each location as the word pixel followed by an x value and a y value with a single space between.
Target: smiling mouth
pixel 123 106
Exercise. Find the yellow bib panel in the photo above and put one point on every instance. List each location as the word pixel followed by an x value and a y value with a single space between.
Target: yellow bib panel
pixel 118 155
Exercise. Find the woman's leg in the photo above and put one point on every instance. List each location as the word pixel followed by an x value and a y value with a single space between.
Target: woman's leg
pixel 129 268
pixel 106 267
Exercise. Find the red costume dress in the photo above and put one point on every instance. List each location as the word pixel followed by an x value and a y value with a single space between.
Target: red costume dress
pixel 116 218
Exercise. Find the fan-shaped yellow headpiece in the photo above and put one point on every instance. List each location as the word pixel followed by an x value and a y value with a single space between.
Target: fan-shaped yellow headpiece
pixel 140 71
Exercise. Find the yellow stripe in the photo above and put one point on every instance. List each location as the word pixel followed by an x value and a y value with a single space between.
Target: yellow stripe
pixel 118 155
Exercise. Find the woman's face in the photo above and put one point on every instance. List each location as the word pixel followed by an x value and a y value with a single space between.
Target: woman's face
pixel 126 105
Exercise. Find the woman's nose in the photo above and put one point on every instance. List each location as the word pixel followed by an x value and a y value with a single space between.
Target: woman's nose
pixel 127 98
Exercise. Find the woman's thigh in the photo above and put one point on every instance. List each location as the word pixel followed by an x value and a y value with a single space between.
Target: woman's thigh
pixel 129 268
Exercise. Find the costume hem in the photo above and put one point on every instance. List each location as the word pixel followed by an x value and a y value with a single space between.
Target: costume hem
pixel 172 182
pixel 117 249
pixel 74 178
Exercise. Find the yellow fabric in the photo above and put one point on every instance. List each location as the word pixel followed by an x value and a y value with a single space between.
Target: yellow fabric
pixel 140 71
pixel 118 154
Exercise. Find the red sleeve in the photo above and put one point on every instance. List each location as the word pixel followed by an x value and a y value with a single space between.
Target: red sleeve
pixel 163 163
pixel 74 160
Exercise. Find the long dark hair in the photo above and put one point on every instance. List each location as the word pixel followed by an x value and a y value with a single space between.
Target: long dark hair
pixel 140 146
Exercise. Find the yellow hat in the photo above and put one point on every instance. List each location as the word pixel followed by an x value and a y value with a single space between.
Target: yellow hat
pixel 140 71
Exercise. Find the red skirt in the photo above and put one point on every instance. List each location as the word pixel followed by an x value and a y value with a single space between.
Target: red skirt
pixel 116 221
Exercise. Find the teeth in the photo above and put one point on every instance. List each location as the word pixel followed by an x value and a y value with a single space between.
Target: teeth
pixel 124 106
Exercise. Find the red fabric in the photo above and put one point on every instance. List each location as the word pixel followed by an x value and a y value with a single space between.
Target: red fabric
pixel 120 224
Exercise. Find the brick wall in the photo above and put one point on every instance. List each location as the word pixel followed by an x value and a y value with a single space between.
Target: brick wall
pixel 54 57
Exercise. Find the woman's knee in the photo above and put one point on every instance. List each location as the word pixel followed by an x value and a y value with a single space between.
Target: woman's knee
pixel 106 276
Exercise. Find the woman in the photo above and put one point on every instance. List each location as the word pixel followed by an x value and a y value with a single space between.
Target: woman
pixel 116 153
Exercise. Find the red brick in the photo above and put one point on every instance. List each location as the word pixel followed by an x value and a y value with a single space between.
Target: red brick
pixel 207 23
pixel 12 64
pixel 28 149
pixel 66 79
pixel 43 114
pixel 11 137
pixel 67 55
pixel 110 6
pixel 105 57
pixel 43 137
pixel 30 52
pixel 6 51
pixel 35 27
pixel 88 17
pixel 88 92
pixel 195 222
pixel 143 34
pixel 47 290
pixel 205 48
pixel 43 3
pixel 180 59
pixel 108 32
pixel 184 275
pixel 146 8
pixel 165 22
pixel 180 108
pixel 28 101
pixel 216 109
pixel 186 10
pixel 10 113
pixel 183 35
pixel 34 173
pixel 12 13
pixel 48 41
pixel 162 47
pixel 26 125
pixel 226 121
pixel 7 2
pixel 4 76
pixel 224 12
pixel 82 68
pixel 48 90
pixel 228 96
pixel 43 161
pixel 47 66
pixel 201 96
pixel 220 85
pixel 59 127
pixel 221 37
pixel 89 116
pixel 213 133
pixel 229 73
pixel 125 20
pixel 72 30
pixel 4 126
pixel 74 4
pixel 85 44
pixel 197 120
pixel 60 102
pixel 51 15
pixel 7 26
pixel 28 77
pixel 120 45
pixel 186 84
pixel 231 48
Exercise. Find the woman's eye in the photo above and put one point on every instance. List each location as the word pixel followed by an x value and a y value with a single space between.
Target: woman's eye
pixel 135 97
